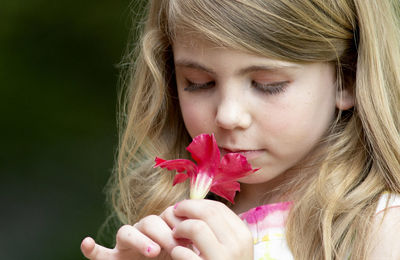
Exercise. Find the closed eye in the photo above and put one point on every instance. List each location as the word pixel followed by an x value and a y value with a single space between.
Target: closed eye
pixel 192 86
pixel 270 88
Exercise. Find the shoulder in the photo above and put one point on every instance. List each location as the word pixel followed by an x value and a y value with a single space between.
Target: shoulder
pixel 385 243
pixel 387 201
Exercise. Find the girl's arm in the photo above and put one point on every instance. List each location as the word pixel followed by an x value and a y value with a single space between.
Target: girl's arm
pixel 385 243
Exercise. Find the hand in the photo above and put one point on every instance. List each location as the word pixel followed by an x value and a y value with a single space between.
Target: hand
pixel 215 231
pixel 151 238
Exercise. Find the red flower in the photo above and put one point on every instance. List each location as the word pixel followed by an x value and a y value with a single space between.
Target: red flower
pixel 210 173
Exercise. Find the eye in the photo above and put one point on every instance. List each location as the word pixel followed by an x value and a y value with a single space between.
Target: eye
pixel 192 86
pixel 273 88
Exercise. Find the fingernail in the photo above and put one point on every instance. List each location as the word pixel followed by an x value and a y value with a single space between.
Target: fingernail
pixel 196 250
pixel 176 205
pixel 149 249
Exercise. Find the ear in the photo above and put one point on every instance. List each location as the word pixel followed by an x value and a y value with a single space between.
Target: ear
pixel 344 99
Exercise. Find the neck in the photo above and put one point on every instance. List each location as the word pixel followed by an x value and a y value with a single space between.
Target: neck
pixel 285 187
pixel 288 186
pixel 253 195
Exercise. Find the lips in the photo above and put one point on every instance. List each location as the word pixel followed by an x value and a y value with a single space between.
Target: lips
pixel 249 154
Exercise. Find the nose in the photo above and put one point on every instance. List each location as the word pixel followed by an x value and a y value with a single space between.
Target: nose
pixel 232 113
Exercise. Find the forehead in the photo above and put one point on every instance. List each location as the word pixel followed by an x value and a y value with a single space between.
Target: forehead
pixel 192 50
pixel 194 41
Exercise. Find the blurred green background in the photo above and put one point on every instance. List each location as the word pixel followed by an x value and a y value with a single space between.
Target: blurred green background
pixel 58 81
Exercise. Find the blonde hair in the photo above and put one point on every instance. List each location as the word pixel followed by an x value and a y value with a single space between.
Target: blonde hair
pixel 362 158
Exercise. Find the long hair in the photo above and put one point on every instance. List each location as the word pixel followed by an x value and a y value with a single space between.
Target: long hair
pixel 361 158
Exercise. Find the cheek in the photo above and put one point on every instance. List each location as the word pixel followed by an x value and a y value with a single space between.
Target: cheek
pixel 196 116
pixel 309 106
pixel 299 123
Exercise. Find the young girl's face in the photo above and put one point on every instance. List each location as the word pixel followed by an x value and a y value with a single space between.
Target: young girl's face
pixel 272 112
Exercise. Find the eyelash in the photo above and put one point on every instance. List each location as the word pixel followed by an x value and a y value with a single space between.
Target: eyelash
pixel 191 86
pixel 270 88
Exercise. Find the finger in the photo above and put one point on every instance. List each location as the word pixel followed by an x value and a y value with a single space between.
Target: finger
pixel 158 230
pixel 218 216
pixel 93 251
pixel 170 218
pixel 183 253
pixel 202 237
pixel 128 237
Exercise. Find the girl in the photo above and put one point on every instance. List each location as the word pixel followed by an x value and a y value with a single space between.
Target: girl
pixel 307 90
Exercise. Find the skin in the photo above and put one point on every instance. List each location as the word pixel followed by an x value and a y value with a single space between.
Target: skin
pixel 271 111
pixel 274 112
pixel 385 233
pixel 216 233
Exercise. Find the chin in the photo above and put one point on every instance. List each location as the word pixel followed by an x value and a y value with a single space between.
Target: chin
pixel 259 176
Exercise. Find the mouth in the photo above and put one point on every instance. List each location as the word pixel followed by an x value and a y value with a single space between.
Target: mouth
pixel 249 154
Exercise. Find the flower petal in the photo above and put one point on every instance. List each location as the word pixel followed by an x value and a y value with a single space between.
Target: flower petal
pixel 226 190
pixel 180 165
pixel 181 177
pixel 205 152
pixel 210 174
pixel 233 166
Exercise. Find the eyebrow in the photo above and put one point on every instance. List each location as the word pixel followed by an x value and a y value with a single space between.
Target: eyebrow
pixel 270 67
